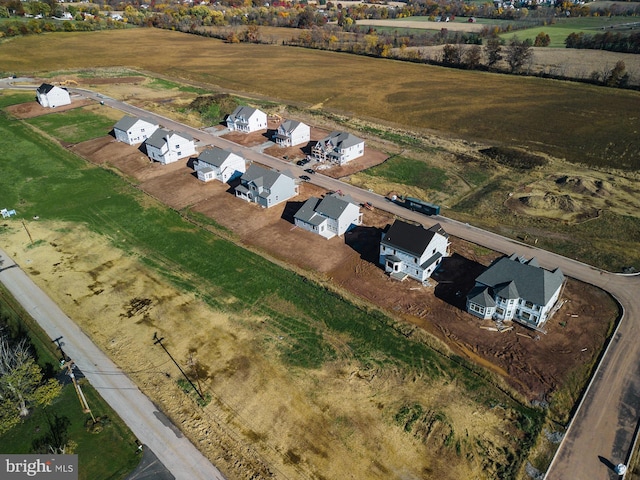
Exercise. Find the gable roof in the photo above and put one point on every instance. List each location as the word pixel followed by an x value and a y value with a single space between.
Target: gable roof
pixel 262 177
pixel 126 122
pixel 410 238
pixel 332 206
pixel 307 213
pixel 530 282
pixel 341 140
pixel 289 126
pixel 316 210
pixel 45 88
pixel 480 296
pixel 243 112
pixel 159 138
pixel 215 156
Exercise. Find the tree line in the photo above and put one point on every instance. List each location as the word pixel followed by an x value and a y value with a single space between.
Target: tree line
pixel 611 41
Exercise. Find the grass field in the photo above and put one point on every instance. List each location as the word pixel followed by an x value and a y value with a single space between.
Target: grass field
pixel 74 126
pixel 563 27
pixel 589 125
pixel 108 454
pixel 307 314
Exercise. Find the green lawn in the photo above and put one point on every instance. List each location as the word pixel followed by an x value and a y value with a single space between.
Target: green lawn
pixel 563 27
pixel 73 126
pixel 407 171
pixel 107 454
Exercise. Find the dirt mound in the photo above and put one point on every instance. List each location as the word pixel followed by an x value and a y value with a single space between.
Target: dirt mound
pixel 549 201
pixel 585 186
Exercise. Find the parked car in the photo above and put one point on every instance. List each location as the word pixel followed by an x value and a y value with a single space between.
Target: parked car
pixel 300 163
pixel 310 170
pixel 306 178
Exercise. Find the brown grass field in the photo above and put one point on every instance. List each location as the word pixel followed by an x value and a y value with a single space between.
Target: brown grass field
pixel 582 123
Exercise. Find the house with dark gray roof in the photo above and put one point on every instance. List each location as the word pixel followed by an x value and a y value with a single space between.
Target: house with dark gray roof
pixel 330 216
pixel 408 250
pixel 266 187
pixel 247 119
pixel 512 288
pixel 167 146
pixel 218 164
pixel 338 147
pixel 133 130
pixel 51 96
pixel 291 133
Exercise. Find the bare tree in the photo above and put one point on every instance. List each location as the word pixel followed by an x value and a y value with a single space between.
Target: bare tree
pixel 519 54
pixel 472 57
pixel 493 51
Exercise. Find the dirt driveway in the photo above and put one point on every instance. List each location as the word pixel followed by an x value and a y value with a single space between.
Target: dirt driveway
pixel 533 362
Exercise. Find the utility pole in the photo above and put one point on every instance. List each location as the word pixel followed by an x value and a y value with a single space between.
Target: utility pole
pixel 158 341
pixel 81 397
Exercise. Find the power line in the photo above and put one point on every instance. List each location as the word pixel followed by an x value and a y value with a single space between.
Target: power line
pixel 158 341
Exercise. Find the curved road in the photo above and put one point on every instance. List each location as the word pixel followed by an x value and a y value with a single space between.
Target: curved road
pixel 602 431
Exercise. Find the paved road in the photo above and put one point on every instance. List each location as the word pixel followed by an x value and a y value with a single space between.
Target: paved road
pixel 149 425
pixel 602 431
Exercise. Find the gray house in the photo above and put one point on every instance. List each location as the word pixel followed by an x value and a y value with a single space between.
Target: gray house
pixel 513 288
pixel 266 187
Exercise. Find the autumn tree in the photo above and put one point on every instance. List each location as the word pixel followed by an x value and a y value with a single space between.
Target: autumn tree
pixel 22 385
pixel 542 40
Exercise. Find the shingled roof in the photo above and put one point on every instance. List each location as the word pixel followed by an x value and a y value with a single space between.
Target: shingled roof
pixel 508 276
pixel 410 238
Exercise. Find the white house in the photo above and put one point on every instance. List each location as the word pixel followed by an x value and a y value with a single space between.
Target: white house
pixel 51 96
pixel 247 119
pixel 266 187
pixel 134 130
pixel 218 164
pixel 333 215
pixel 515 289
pixel 167 146
pixel 408 250
pixel 338 147
pixel 291 133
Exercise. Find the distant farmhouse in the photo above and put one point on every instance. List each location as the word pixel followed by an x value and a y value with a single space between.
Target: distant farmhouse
pixel 408 250
pixel 291 133
pixel 134 130
pixel 52 96
pixel 218 164
pixel 333 215
pixel 266 187
pixel 515 289
pixel 338 147
pixel 167 146
pixel 247 119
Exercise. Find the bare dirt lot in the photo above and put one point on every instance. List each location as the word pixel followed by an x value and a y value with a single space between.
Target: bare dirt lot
pixel 34 109
pixel 532 362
